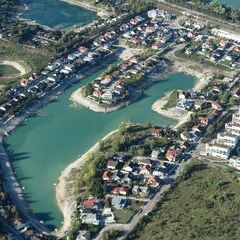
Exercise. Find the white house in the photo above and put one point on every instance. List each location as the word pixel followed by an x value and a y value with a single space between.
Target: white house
pixel 228 139
pixel 233 128
pixel 152 13
pixel 236 118
pixel 108 215
pixel 155 154
pixel 218 150
pixel 108 95
pixel 90 218
pixel 234 162
pixel 83 235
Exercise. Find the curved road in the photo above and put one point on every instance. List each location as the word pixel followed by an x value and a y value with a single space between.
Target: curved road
pixel 127 228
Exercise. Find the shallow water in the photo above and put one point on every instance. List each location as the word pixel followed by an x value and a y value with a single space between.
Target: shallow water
pixel 57 14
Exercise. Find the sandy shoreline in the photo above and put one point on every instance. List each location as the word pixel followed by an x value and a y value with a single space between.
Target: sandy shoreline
pixel 173 113
pixel 182 116
pixel 65 202
pixel 135 93
pixel 202 75
pixel 100 12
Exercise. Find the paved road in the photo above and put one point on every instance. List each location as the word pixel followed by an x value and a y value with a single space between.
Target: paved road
pixel 127 228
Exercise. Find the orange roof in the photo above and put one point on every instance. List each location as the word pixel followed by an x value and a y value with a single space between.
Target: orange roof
pixel 89 203
pixel 156 131
pixel 108 77
pixel 172 153
pixel 222 42
pixel 157 44
pixel 106 175
pixel 216 104
pixel 82 49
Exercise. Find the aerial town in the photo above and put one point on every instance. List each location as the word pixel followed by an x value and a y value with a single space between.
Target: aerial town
pixel 93 80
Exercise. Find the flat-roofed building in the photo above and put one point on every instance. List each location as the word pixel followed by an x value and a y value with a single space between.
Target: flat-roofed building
pixel 236 118
pixel 233 128
pixel 228 139
pixel 218 150
pixel 234 162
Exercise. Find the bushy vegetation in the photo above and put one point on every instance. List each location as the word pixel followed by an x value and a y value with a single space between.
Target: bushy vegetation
pixel 110 235
pixel 213 9
pixel 4 237
pixel 35 58
pixel 172 100
pixel 88 180
pixel 203 204
pixel 127 5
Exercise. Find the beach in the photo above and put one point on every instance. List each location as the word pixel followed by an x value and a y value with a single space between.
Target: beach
pixel 100 11
pixel 66 203
pixel 180 115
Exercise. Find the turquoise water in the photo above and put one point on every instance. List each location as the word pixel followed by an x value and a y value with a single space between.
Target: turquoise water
pixel 46 144
pixel 57 14
pixel 231 3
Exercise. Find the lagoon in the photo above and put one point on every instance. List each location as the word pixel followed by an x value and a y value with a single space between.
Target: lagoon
pixel 230 3
pixel 46 144
pixel 57 14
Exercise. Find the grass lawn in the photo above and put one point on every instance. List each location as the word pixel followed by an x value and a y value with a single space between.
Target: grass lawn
pixel 172 100
pixel 32 59
pixel 125 215
pixel 6 70
pixel 204 204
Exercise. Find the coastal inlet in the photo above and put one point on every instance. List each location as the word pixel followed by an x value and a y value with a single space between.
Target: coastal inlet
pixel 59 134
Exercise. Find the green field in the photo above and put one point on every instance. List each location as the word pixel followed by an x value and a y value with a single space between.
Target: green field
pixel 7 70
pixel 32 59
pixel 204 204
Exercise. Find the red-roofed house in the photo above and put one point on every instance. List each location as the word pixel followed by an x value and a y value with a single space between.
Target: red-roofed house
pixel 217 106
pixel 156 132
pixel 156 45
pixel 223 43
pixel 82 49
pixel 106 176
pixel 173 154
pixel 89 203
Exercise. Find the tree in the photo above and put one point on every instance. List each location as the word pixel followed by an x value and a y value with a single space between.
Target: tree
pixel 235 15
pixel 123 128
